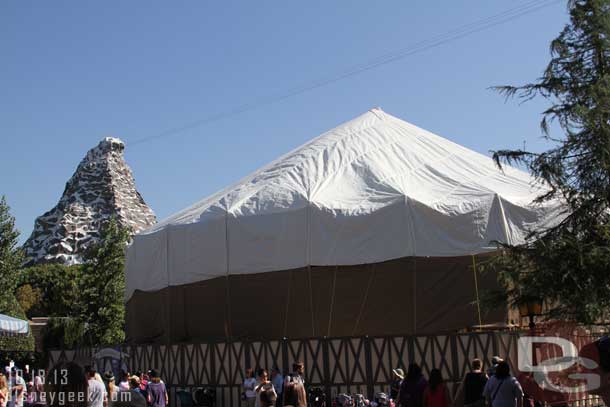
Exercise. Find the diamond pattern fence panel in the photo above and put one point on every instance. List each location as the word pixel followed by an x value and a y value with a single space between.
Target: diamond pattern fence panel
pixel 338 365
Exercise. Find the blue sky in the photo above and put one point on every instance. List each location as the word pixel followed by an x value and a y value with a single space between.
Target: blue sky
pixel 73 72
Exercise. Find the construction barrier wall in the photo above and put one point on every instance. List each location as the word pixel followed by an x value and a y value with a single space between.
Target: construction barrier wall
pixel 348 364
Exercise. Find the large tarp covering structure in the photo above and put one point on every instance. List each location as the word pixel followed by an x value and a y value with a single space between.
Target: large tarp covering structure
pixel 370 228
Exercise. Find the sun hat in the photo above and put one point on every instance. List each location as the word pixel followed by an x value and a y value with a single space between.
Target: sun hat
pixel 108 376
pixel 399 372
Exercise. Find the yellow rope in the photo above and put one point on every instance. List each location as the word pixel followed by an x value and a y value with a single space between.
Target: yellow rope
pixel 287 303
pixel 414 295
pixel 476 288
pixel 332 302
pixel 366 297
pixel 313 329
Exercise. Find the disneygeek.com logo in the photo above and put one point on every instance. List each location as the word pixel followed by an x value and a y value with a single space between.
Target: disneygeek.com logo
pixel 570 365
pixel 562 363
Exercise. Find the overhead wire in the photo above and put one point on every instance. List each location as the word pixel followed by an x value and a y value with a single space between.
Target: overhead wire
pixel 457 33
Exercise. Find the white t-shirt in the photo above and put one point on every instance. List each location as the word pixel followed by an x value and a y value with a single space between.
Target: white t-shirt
pixel 19 395
pixel 96 393
pixel 506 391
pixel 249 385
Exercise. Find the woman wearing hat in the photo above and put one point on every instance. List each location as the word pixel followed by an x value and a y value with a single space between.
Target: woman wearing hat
pixel 399 375
pixel 111 386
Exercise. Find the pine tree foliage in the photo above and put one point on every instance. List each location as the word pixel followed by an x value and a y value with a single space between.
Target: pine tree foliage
pixel 102 287
pixel 11 257
pixel 568 265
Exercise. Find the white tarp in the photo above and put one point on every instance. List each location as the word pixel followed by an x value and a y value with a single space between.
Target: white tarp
pixel 373 189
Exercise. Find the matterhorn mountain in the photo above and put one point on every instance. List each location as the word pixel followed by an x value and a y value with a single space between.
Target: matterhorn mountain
pixel 102 187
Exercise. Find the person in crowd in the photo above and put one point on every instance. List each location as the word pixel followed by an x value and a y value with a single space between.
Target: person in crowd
pixel 502 389
pixel 268 397
pixel 3 390
pixel 470 391
pixel 412 388
pixel 248 393
pixel 143 381
pixel 398 377
pixel 156 393
pixel 30 394
pixel 298 373
pixel 96 391
pixel 98 377
pixel 38 398
pixel 135 385
pixel 278 383
pixel 67 386
pixel 294 393
pixel 262 384
pixel 124 381
pixel 494 363
pixel 437 393
pixel 134 397
pixel 18 388
pixel 112 389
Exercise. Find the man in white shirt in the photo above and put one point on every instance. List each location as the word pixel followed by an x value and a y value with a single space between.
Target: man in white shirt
pixel 17 387
pixel 96 391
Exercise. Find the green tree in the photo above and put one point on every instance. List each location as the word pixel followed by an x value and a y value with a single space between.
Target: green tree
pixel 27 297
pixel 57 284
pixel 11 257
pixel 102 287
pixel 567 265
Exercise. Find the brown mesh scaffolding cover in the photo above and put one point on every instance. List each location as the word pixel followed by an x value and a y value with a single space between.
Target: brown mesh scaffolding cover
pixel 398 297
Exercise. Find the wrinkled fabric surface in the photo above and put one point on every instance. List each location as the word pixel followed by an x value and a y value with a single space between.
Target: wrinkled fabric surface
pixel 373 189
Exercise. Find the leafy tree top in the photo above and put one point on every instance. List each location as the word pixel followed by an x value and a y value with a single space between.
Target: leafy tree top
pixel 567 265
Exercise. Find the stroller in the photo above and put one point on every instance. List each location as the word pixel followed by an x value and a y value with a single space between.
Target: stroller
pixel 205 397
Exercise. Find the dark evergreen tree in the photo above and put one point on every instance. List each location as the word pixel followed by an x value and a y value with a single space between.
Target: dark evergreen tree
pixel 11 259
pixel 102 287
pixel 568 265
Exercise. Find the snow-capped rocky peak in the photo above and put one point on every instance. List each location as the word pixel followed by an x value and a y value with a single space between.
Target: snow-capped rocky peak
pixel 102 186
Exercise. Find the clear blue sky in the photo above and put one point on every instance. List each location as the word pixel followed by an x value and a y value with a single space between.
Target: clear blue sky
pixel 73 72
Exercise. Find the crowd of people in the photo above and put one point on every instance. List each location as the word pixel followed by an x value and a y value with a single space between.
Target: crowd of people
pixel 144 389
pixel 495 387
pixel 70 385
pixel 262 390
